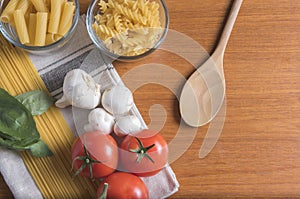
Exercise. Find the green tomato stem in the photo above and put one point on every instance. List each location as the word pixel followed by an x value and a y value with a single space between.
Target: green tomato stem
pixel 141 151
pixel 87 161
pixel 103 194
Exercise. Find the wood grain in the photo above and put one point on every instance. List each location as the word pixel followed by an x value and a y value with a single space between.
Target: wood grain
pixel 258 152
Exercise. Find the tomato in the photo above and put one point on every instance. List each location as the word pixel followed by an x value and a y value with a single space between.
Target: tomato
pixel 123 185
pixel 143 154
pixel 94 155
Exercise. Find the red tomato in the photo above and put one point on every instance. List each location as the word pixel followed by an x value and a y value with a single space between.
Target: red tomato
pixel 122 186
pixel 94 155
pixel 143 154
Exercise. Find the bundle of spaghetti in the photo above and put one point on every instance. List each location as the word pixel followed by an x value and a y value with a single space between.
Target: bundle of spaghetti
pixel 52 175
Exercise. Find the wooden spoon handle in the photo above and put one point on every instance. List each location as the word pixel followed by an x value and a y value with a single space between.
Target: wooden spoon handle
pixel 219 52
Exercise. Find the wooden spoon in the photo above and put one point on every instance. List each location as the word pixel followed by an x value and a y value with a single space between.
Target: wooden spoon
pixel 203 93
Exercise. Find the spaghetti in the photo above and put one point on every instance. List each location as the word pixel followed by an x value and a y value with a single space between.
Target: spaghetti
pixel 51 174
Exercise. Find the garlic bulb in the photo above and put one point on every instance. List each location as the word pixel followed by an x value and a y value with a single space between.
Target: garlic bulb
pixel 129 124
pixel 117 100
pixel 100 120
pixel 80 90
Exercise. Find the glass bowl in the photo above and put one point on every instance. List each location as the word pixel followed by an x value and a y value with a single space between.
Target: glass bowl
pixel 10 34
pixel 120 39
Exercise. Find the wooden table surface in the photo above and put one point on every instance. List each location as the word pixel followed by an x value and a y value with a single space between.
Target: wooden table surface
pixel 258 152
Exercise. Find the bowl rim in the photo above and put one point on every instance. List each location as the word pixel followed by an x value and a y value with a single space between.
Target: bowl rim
pixel 97 41
pixel 47 47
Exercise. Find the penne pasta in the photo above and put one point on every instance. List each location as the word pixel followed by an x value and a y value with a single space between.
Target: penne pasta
pixel 32 28
pixel 35 21
pixel 41 28
pixel 40 5
pixel 7 14
pixel 66 18
pixel 50 38
pixel 57 37
pixel 48 3
pixel 56 7
pixel 23 5
pixel 21 27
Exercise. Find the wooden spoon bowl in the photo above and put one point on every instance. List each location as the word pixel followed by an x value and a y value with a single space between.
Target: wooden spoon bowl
pixel 204 92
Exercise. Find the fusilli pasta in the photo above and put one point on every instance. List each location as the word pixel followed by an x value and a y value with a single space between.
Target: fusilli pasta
pixel 128 27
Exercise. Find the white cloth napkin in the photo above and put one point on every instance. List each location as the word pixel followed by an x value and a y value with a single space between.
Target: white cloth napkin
pixel 79 53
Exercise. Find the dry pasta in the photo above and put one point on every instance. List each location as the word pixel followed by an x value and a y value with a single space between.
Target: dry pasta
pixel 50 38
pixel 32 27
pixel 51 174
pixel 40 5
pixel 41 28
pixel 66 18
pixel 23 5
pixel 59 21
pixel 21 28
pixel 48 3
pixel 7 14
pixel 56 7
pixel 128 27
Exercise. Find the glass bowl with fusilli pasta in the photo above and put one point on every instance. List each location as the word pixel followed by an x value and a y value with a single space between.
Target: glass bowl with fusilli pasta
pixel 28 24
pixel 127 30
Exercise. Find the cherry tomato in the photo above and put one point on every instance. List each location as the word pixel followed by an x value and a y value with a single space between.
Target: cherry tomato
pixel 122 185
pixel 143 154
pixel 94 155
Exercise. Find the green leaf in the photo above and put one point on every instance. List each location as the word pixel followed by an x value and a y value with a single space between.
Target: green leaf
pixel 8 137
pixel 40 149
pixel 17 127
pixel 15 119
pixel 37 101
pixel 6 142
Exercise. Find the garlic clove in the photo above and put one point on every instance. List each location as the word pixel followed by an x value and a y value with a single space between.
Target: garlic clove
pixel 89 128
pixel 85 98
pixel 117 100
pixel 125 125
pixel 80 90
pixel 62 102
pixel 100 120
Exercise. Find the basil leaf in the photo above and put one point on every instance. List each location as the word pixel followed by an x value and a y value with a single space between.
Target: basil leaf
pixel 15 119
pixel 39 149
pixel 6 141
pixel 8 137
pixel 17 127
pixel 37 101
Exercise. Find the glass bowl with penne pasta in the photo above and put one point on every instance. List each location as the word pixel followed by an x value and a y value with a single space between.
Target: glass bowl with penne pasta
pixel 38 26
pixel 127 30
